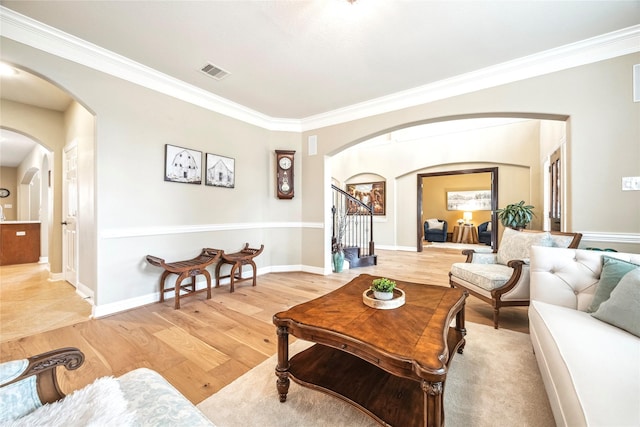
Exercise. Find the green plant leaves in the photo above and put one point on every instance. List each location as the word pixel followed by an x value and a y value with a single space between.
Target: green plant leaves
pixel 516 215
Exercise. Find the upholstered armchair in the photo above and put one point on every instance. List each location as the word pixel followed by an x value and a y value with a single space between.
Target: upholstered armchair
pixel 484 233
pixel 501 278
pixel 139 397
pixel 435 230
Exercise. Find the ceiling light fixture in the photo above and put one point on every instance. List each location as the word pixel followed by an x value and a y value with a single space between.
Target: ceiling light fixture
pixel 7 70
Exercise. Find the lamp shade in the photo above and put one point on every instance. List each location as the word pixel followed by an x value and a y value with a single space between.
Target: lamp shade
pixel 467 216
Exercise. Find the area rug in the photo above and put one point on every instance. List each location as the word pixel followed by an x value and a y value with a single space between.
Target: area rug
pixel 495 382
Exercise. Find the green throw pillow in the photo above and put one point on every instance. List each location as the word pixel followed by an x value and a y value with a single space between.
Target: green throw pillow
pixel 612 271
pixel 622 309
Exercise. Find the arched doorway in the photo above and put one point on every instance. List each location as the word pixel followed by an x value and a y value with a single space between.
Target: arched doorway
pixel 449 151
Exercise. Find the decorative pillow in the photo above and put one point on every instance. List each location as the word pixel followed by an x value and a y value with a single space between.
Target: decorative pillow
pixel 516 244
pixel 489 227
pixel 612 271
pixel 622 309
pixel 100 404
pixel 434 224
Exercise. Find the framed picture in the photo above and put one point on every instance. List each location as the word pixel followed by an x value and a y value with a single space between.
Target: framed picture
pixel 371 194
pixel 220 171
pixel 182 165
pixel 474 200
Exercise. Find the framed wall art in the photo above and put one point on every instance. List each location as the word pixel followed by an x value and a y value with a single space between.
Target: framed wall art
pixel 182 165
pixel 220 171
pixel 371 194
pixel 473 200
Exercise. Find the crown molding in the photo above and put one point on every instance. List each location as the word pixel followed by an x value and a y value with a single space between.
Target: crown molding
pixel 607 46
pixel 40 36
pixel 43 37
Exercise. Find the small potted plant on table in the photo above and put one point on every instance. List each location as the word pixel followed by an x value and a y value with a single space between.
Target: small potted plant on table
pixel 383 288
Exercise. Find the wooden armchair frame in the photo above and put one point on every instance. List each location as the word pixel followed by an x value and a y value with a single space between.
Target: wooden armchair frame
pixel 44 365
pixel 517 265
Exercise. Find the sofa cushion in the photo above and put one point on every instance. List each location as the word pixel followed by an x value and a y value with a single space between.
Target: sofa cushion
pixel 516 245
pixel 612 271
pixel 486 276
pixel 589 367
pixel 622 309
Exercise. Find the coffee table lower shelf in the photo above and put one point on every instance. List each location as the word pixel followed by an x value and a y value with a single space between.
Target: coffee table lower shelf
pixel 391 400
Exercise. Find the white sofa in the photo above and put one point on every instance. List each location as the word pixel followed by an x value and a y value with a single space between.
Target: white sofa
pixel 590 369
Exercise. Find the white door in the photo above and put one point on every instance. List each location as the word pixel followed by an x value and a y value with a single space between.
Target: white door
pixel 70 214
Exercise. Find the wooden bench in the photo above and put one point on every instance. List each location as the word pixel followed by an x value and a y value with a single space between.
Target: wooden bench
pixel 237 260
pixel 189 268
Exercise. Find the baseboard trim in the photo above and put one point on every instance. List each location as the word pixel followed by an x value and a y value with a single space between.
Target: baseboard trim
pixel 109 309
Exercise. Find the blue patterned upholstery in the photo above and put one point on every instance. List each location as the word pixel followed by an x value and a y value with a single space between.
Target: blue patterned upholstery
pixel 20 398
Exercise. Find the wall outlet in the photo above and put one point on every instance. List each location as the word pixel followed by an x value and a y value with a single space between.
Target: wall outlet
pixel 631 183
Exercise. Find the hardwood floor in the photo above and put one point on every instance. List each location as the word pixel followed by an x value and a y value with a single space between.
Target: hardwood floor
pixel 207 343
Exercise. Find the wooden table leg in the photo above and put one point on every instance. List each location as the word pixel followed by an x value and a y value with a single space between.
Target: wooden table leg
pixel 433 409
pixel 460 326
pixel 282 369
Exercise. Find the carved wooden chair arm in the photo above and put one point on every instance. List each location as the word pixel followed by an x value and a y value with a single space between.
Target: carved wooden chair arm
pixel 469 253
pixel 517 265
pixel 44 365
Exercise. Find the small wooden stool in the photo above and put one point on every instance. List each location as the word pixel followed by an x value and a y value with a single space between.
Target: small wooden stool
pixel 190 268
pixel 237 260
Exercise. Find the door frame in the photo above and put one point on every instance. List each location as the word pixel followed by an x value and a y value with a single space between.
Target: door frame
pixel 494 200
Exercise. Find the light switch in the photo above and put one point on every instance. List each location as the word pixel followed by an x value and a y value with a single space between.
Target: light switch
pixel 631 183
pixel 8 206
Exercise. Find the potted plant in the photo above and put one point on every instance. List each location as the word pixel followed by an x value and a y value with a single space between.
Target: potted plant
pixel 516 215
pixel 383 288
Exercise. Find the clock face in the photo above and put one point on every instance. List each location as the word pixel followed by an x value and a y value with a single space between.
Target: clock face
pixel 4 192
pixel 285 163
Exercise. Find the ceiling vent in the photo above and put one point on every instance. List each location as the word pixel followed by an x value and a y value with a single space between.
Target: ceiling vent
pixel 215 72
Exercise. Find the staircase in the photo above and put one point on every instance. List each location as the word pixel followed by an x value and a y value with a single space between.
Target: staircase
pixel 353 229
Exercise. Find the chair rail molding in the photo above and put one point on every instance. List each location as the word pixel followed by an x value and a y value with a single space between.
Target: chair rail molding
pixel 121 233
pixel 599 236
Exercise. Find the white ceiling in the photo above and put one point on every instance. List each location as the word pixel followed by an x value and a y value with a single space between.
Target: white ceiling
pixel 14 147
pixel 296 59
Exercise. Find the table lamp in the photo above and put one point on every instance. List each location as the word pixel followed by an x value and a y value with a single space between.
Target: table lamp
pixel 467 216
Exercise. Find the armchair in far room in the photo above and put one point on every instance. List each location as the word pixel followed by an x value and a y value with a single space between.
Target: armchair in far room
pixel 435 230
pixel 484 233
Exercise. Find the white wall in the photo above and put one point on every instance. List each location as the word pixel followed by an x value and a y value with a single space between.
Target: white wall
pixel 138 213
pixel 603 135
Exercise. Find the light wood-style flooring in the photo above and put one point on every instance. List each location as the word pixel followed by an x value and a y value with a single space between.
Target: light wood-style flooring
pixel 207 343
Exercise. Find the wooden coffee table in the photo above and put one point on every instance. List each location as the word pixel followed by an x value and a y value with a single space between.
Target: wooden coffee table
pixel 391 364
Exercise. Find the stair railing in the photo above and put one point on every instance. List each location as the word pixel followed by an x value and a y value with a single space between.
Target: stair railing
pixel 352 223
